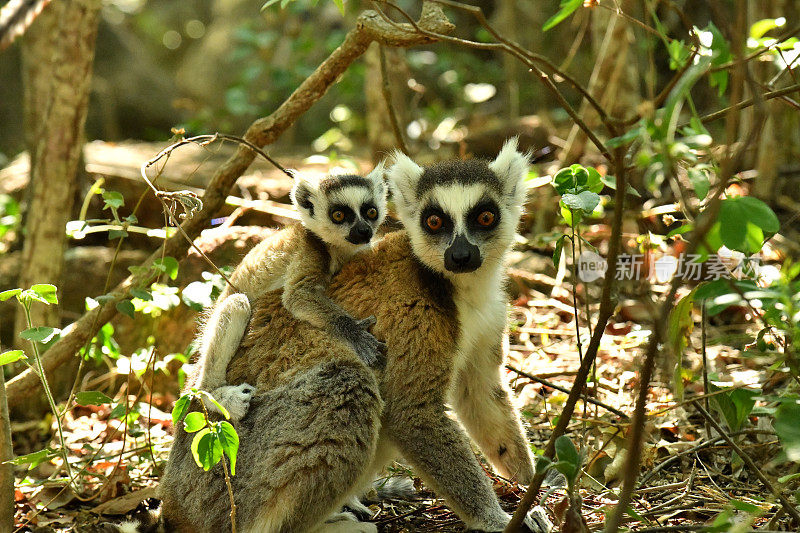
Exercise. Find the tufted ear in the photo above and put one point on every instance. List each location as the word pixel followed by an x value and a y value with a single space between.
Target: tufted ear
pixel 404 175
pixel 376 179
pixel 511 167
pixel 304 192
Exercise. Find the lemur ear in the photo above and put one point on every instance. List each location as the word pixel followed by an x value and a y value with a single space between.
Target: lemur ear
pixel 376 178
pixel 304 191
pixel 511 166
pixel 404 175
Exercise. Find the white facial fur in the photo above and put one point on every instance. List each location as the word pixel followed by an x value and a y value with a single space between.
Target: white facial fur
pixel 316 196
pixel 457 197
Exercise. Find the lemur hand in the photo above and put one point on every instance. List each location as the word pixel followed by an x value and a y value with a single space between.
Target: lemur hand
pixel 367 347
pixel 236 399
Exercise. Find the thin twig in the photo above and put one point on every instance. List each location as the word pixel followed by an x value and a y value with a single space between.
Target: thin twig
pixel 749 102
pixel 557 387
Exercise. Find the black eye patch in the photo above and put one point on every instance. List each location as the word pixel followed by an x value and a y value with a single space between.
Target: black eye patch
pixel 369 211
pixel 339 214
pixel 484 216
pixel 434 221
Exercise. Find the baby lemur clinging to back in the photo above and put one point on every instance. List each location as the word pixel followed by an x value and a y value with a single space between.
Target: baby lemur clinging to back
pixel 339 215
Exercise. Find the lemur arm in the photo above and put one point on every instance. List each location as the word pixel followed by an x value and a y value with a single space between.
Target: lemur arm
pixel 305 287
pixel 439 451
pixel 415 419
pixel 305 296
pixel 484 407
pixel 220 339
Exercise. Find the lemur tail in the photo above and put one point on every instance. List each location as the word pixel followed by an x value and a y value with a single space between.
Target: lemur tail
pixel 16 16
pixel 395 488
pixel 149 521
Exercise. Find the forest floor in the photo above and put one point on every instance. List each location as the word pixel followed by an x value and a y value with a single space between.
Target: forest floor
pixel 689 474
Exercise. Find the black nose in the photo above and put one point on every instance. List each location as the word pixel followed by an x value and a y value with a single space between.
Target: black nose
pixel 462 256
pixel 360 233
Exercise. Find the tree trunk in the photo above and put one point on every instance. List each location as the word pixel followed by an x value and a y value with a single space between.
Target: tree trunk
pixel 6 469
pixel 58 51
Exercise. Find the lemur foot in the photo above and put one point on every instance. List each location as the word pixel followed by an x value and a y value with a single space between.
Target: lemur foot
pixel 537 521
pixel 234 398
pixel 367 347
pixel 361 511
pixel 345 523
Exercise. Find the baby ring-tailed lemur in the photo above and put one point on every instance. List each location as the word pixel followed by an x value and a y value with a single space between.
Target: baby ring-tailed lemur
pixel 339 215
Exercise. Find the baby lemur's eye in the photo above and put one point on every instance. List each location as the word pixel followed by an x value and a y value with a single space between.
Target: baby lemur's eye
pixel 372 213
pixel 486 218
pixel 434 222
pixel 337 216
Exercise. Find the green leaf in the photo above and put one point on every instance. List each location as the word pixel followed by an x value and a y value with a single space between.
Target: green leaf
pixel 585 201
pixel 40 334
pixel 142 294
pixel 11 356
pixel 735 406
pixel 194 421
pixel 748 508
pixel 268 4
pixel 761 27
pixel 788 428
pixel 557 251
pixel 721 54
pixel 790 477
pixel 113 199
pixel 229 440
pixel 700 182
pixel 625 138
pixel 542 464
pixel 611 183
pixel 566 8
pixel 46 291
pixel 759 214
pixel 678 54
pixel 206 449
pixel 680 230
pixel 340 5
pixel 117 234
pixel 207 396
pixel 91 398
pixel 168 265
pixel 564 181
pixel 566 451
pixel 180 408
pixel 594 181
pixel 10 293
pixel 569 470
pixel 34 459
pixel 126 308
pixel 733 224
pixel 679 327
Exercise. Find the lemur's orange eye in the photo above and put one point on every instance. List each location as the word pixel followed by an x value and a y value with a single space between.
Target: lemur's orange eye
pixel 372 213
pixel 434 222
pixel 337 216
pixel 486 218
